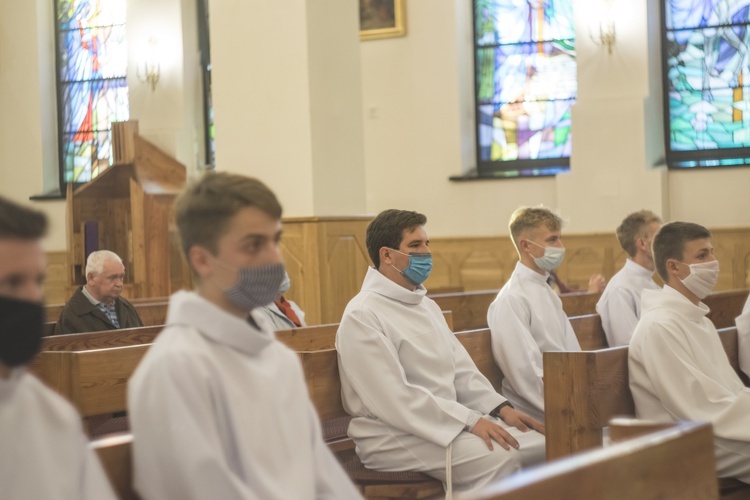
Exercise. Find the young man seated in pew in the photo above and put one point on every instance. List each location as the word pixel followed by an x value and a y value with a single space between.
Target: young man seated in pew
pixel 620 304
pixel 418 401
pixel 219 408
pixel 97 305
pixel 527 318
pixel 677 366
pixel 43 452
pixel 743 338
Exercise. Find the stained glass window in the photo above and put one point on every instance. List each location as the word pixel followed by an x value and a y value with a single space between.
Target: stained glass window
pixel 707 82
pixel 525 86
pixel 92 86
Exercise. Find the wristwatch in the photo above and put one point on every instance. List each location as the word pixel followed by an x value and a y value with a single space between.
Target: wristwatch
pixel 496 412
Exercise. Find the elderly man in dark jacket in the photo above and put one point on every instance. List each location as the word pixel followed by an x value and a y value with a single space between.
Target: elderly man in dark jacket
pixel 97 305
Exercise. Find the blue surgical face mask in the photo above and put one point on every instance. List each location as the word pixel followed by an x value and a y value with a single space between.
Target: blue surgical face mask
pixel 418 270
pixel 286 284
pixel 552 258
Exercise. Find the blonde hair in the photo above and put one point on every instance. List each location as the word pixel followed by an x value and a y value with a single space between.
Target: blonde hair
pixel 528 218
pixel 635 226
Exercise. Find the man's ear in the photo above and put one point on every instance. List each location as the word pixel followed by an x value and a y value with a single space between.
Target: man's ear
pixel 672 268
pixel 386 255
pixel 199 260
pixel 89 277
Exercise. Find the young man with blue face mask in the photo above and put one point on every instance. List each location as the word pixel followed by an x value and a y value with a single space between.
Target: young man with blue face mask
pixel 677 366
pixel 418 401
pixel 218 407
pixel 44 452
pixel 527 319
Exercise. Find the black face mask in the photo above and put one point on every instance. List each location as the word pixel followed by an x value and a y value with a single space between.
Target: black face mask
pixel 21 328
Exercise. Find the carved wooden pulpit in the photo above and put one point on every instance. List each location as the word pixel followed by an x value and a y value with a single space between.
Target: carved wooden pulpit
pixel 128 209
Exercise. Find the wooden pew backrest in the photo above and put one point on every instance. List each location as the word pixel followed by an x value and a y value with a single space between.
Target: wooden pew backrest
pixel 469 308
pixel 115 455
pixel 589 331
pixel 583 390
pixel 673 463
pixel 315 338
pixel 321 369
pixel 579 303
pixel 725 306
pixel 94 381
pixel 478 343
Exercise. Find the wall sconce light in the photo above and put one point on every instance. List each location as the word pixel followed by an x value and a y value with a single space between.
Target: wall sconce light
pixel 149 70
pixel 607 36
pixel 604 22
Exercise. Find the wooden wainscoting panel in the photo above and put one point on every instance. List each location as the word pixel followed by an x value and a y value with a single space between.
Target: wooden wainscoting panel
pixel 57 277
pixel 343 264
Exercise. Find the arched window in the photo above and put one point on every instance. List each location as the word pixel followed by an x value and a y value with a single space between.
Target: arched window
pixel 706 54
pixel 525 86
pixel 92 89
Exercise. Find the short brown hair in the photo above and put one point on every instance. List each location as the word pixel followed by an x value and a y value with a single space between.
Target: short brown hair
pixel 204 208
pixel 19 222
pixel 525 218
pixel 387 230
pixel 669 243
pixel 633 227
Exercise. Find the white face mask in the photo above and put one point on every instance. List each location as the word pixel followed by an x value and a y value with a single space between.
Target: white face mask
pixel 702 278
pixel 552 258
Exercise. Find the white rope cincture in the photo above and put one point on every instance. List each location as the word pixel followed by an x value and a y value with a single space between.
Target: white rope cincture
pixel 449 472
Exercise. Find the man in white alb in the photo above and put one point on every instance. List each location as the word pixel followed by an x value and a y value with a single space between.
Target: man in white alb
pixel 620 304
pixel 527 319
pixel 418 400
pixel 43 450
pixel 219 408
pixel 743 338
pixel 678 368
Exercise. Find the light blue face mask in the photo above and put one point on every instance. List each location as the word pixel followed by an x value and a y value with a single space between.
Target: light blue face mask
pixel 552 258
pixel 418 270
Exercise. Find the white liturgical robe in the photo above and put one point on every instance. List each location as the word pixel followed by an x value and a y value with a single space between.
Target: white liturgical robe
pixel 43 450
pixel 679 371
pixel 743 338
pixel 620 303
pixel 527 319
pixel 411 386
pixel 219 409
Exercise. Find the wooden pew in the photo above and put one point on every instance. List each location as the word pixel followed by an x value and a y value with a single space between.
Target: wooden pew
pixel 589 331
pixel 677 462
pixel 314 338
pixel 469 308
pixel 115 454
pixel 583 390
pixel 579 303
pixel 725 306
pixel 323 384
pixel 94 381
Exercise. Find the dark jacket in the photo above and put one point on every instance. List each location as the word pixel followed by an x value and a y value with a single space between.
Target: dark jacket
pixel 80 315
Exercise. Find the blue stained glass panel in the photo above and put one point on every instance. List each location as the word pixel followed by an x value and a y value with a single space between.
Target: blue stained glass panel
pixel 518 21
pixel 525 130
pixel 93 92
pixel 527 72
pixel 691 14
pixel 708 82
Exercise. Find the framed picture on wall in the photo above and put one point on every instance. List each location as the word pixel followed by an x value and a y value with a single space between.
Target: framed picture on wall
pixel 381 19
